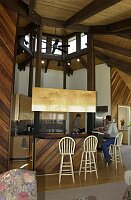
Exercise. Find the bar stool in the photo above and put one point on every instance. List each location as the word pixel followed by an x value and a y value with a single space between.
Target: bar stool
pixel 66 150
pixel 115 150
pixel 88 160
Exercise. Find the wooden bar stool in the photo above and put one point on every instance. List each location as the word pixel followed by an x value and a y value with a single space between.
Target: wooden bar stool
pixel 66 150
pixel 88 160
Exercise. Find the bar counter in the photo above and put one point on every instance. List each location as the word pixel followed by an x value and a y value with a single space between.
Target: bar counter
pixel 47 158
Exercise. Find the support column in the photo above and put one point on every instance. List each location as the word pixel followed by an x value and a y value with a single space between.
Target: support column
pixel 90 80
pixel 32 46
pixel 37 84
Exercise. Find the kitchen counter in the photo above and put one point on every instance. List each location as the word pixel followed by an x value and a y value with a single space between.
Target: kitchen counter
pixel 47 158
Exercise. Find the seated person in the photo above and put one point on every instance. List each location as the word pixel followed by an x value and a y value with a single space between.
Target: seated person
pixel 76 124
pixel 110 131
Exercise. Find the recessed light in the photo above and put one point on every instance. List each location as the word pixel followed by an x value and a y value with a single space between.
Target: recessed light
pixel 42 61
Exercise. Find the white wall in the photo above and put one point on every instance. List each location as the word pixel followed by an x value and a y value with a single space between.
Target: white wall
pixel 52 79
pixel 103 86
pixel 79 80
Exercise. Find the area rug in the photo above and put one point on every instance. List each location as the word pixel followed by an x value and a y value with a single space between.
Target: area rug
pixel 109 191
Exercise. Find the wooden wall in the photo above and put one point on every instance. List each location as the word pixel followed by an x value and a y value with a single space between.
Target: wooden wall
pixel 120 93
pixel 8 20
pixel 48 157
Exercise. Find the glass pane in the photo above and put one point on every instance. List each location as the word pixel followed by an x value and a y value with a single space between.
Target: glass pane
pixel 83 41
pixel 43 46
pixel 72 43
pixel 58 52
pixel 27 38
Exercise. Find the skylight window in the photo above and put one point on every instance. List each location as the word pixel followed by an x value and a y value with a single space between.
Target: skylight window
pixel 83 41
pixel 43 45
pixel 72 43
pixel 27 40
pixel 58 52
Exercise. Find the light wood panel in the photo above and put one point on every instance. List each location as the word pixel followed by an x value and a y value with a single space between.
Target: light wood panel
pixel 121 94
pixel 60 10
pixel 8 20
pixel 63 100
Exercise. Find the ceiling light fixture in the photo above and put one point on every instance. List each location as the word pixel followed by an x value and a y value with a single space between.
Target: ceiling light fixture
pixel 42 62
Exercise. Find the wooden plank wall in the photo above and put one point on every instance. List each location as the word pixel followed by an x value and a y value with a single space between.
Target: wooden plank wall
pixel 48 157
pixel 121 94
pixel 8 20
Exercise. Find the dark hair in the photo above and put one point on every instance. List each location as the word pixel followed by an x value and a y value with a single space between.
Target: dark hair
pixel 78 115
pixel 108 117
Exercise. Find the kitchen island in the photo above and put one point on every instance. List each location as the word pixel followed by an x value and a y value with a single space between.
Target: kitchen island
pixel 47 158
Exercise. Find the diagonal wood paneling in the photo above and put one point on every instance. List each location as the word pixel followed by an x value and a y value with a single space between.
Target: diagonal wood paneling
pixel 48 158
pixel 8 20
pixel 121 94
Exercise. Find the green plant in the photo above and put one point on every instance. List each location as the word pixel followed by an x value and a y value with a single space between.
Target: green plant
pixel 129 125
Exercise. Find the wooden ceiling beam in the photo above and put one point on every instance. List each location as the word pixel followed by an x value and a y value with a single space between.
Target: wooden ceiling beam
pixel 22 45
pixel 21 66
pixel 52 22
pixel 26 30
pixel 126 36
pixel 31 7
pixel 76 54
pixel 113 62
pixel 120 25
pixel 93 8
pixel 60 24
pixel 112 48
pixel 23 9
pixel 105 29
pixel 83 62
pixel 50 56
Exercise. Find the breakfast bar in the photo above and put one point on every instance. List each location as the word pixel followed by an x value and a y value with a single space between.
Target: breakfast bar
pixel 47 158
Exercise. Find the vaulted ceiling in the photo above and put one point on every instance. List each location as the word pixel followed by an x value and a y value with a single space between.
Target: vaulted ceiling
pixel 109 21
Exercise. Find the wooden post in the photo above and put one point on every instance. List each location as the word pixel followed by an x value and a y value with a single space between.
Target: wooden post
pixel 32 46
pixel 90 80
pixel 37 84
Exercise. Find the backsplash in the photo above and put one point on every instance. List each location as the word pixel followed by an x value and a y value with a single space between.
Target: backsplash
pixel 46 126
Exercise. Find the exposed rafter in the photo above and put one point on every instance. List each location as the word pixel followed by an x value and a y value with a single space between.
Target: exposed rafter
pixel 120 26
pixel 126 36
pixel 31 7
pixel 93 8
pixel 26 30
pixel 22 45
pixel 114 62
pixel 23 65
pixel 83 62
pixel 112 48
